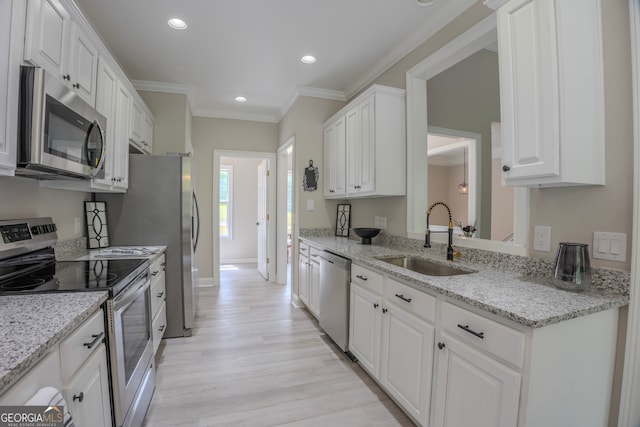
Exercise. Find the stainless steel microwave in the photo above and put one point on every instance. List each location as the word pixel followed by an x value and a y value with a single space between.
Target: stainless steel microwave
pixel 59 134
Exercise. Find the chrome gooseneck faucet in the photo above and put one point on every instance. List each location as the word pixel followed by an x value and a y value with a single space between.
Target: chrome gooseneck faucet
pixel 427 239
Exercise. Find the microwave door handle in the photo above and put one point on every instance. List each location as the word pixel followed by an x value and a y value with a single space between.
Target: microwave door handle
pixel 102 152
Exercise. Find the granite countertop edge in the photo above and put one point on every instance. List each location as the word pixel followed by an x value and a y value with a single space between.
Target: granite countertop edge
pixel 532 302
pixel 17 356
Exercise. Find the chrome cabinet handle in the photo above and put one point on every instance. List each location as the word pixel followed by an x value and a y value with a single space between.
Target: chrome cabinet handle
pixel 96 338
pixel 403 298
pixel 471 331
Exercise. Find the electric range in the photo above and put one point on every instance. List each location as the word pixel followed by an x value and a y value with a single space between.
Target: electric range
pixel 28 265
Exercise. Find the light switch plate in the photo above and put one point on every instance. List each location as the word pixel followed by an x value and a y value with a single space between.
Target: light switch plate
pixel 610 246
pixel 542 238
pixel 310 205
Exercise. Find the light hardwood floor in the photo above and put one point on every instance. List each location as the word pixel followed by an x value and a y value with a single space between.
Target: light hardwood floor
pixel 254 360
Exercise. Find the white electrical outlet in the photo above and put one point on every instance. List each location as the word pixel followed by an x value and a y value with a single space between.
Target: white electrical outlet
pixel 542 238
pixel 380 222
pixel 77 225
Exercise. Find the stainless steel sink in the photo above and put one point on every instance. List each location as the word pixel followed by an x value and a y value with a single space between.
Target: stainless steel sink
pixel 423 266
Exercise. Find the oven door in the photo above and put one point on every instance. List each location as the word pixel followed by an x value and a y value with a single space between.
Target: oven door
pixel 130 346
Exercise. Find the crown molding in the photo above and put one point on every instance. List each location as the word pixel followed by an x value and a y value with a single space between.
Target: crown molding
pixel 219 114
pixel 494 4
pixel 444 16
pixel 313 92
pixel 166 88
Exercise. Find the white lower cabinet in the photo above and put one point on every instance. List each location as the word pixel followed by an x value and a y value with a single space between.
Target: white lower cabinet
pixel 158 293
pixel 303 274
pixel 78 368
pixel 407 360
pixel 314 283
pixel 87 393
pixel 309 278
pixel 472 389
pixel 365 326
pixel 448 364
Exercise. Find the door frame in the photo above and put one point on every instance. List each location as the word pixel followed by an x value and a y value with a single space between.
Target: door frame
pixel 271 207
pixel 629 413
pixel 281 224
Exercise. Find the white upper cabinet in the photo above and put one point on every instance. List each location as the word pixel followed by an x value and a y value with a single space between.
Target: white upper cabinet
pixel 552 92
pixel 47 33
pixel 334 159
pixel 372 162
pixel 59 45
pixel 83 65
pixel 147 134
pixel 12 15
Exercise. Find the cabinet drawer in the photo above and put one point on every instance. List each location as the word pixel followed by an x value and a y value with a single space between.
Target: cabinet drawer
pixel 157 266
pixel 314 254
pixel 366 278
pixel 419 303
pixel 303 249
pixel 80 344
pixel 159 325
pixel 158 293
pixel 500 340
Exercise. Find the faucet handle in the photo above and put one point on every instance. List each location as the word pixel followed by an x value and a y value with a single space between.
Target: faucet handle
pixel 456 252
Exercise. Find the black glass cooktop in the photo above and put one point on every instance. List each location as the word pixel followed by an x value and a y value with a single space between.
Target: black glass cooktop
pixel 64 276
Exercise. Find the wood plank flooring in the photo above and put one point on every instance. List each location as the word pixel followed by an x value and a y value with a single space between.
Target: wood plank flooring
pixel 255 360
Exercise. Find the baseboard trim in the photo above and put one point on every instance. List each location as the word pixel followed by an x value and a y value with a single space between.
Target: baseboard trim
pixel 205 282
pixel 238 261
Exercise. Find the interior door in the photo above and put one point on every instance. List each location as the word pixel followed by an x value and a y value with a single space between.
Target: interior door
pixel 263 220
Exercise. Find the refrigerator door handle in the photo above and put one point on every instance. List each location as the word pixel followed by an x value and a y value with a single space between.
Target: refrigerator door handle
pixel 195 222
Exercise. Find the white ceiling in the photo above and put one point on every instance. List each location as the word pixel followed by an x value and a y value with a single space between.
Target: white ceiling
pixel 253 47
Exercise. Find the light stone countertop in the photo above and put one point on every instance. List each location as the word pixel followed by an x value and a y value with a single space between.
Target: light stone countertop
pixel 526 300
pixel 31 325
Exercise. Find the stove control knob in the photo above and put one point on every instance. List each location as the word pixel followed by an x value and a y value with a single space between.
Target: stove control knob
pixel 34 230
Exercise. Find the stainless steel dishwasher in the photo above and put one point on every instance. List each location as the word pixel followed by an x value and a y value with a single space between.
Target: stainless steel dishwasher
pixel 335 275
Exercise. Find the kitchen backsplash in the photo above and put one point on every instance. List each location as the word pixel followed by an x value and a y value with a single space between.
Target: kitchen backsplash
pixel 603 279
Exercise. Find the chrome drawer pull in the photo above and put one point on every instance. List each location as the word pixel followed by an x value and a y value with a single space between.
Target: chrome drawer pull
pixel 403 298
pixel 471 331
pixel 362 277
pixel 96 338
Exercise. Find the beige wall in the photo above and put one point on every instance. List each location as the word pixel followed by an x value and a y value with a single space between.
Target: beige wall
pixel 23 198
pixel 208 134
pixel 304 122
pixel 171 126
pixel 443 186
pixel 243 244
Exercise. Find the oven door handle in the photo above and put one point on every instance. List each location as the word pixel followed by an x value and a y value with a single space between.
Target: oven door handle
pixel 131 292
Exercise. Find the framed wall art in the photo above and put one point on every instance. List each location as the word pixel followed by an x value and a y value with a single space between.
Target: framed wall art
pixel 96 220
pixel 343 220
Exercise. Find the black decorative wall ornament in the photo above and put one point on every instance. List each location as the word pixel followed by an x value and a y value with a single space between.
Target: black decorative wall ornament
pixel 343 220
pixel 97 230
pixel 311 176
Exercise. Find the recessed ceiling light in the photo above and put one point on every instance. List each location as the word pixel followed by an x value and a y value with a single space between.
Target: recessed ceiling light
pixel 177 24
pixel 425 2
pixel 308 59
pixel 241 99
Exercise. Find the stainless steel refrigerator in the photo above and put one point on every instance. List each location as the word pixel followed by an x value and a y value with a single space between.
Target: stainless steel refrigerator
pixel 159 208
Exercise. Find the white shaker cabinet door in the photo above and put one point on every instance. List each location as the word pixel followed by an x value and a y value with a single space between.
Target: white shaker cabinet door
pixel 365 328
pixel 83 65
pixel 407 360
pixel 472 389
pixel 47 35
pixel 12 13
